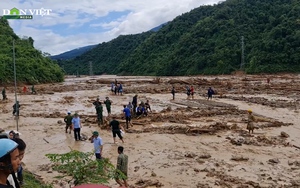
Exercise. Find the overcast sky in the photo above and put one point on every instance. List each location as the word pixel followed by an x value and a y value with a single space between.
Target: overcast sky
pixel 73 23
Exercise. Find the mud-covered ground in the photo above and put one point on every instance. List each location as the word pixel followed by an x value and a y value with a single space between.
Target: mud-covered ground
pixel 183 142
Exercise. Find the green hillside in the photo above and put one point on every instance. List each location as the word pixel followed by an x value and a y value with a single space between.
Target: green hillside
pixel 106 56
pixel 31 64
pixel 207 40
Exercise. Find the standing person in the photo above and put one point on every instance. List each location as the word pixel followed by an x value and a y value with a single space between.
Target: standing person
pixel 68 120
pixel 147 106
pixel 21 147
pixel 210 93
pixel 134 103
pixel 116 129
pixel 130 107
pixel 251 119
pixel 33 90
pixel 116 89
pixel 112 87
pixel 11 134
pixel 188 92
pixel 9 162
pixel 98 144
pixel 107 103
pixel 99 111
pixel 122 166
pixel 4 97
pixel 120 89
pixel 76 125
pixel 24 89
pixel 127 115
pixel 16 109
pixel 173 92
pixel 192 91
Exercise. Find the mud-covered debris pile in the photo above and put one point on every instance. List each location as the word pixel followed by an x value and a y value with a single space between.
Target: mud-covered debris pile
pixel 67 100
pixel 143 183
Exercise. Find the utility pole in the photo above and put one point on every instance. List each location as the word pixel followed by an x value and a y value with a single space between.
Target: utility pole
pixel 15 78
pixel 242 56
pixel 91 68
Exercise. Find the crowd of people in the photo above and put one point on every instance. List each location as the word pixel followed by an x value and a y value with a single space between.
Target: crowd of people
pixel 12 151
pixel 12 148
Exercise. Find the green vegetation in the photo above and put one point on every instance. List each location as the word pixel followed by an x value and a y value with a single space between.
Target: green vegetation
pixel 31 65
pixel 106 56
pixel 207 40
pixel 79 168
pixel 32 182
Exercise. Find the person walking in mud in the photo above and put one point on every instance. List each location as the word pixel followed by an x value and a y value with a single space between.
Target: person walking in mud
pixel 173 93
pixel 99 111
pixel 16 109
pixel 116 129
pixel 122 166
pixel 120 89
pixel 33 90
pixel 250 124
pixel 112 87
pixel 24 89
pixel 76 125
pixel 4 97
pixel 98 144
pixel 107 103
pixel 68 120
pixel 188 92
pixel 210 93
pixel 134 103
pixel 127 115
pixel 192 92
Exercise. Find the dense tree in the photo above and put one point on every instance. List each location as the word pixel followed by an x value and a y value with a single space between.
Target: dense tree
pixel 31 65
pixel 207 40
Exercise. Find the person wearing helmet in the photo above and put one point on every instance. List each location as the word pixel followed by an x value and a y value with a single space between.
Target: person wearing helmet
pixel 9 162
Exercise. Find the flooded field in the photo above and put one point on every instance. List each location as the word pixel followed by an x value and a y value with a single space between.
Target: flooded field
pixel 191 143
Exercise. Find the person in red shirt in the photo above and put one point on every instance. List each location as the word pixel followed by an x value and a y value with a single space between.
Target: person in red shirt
pixel 24 89
pixel 192 92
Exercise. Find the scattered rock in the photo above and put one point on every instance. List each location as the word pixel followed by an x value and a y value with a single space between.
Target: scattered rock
pixel 60 122
pixel 239 158
pixel 205 156
pixel 153 174
pixel 147 183
pixel 274 161
pixel 190 155
pixel 284 134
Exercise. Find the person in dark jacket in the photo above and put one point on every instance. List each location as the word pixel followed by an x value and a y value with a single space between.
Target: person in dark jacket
pixel 134 103
pixel 210 93
pixel 16 109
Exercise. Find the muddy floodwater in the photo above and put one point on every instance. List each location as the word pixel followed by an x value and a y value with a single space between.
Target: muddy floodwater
pixel 191 143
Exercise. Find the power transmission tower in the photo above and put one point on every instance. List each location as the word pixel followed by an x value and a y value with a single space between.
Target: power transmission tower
pixel 91 68
pixel 243 54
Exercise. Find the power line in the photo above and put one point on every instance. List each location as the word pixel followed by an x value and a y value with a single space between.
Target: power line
pixel 243 54
pixel 91 68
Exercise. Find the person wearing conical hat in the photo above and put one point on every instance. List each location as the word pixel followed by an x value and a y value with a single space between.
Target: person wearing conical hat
pixel 250 124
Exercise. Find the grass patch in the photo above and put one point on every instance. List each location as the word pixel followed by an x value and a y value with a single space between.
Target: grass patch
pixel 31 181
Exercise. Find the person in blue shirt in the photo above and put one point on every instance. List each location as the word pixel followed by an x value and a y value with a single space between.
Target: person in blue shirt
pixel 76 125
pixel 127 115
pixel 98 144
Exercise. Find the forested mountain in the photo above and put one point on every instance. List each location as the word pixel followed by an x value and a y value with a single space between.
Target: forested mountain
pixel 72 53
pixel 207 40
pixel 106 56
pixel 31 65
